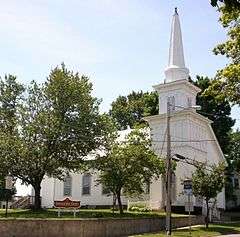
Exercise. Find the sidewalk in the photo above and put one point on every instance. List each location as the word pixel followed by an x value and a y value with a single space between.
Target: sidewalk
pixel 235 235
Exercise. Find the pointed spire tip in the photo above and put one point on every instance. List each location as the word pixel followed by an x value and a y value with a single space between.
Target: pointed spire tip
pixel 176 10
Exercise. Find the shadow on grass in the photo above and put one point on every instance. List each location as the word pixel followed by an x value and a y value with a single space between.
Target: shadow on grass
pixel 222 229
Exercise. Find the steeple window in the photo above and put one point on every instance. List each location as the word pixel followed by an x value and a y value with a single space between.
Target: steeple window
pixel 171 100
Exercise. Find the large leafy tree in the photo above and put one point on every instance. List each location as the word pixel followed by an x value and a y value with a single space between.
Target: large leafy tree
pixel 234 152
pixel 11 93
pixel 217 111
pixel 129 110
pixel 56 125
pixel 129 165
pixel 208 182
pixel 227 81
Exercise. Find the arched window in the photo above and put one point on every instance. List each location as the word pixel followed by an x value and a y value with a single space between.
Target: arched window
pixel 67 186
pixel 86 184
pixel 171 100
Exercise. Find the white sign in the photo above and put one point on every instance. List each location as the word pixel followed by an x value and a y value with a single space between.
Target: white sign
pixel 187 186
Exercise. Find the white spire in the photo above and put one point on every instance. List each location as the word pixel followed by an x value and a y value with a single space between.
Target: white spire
pixel 176 69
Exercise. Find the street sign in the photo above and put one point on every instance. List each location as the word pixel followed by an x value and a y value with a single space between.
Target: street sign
pixel 67 203
pixel 187 186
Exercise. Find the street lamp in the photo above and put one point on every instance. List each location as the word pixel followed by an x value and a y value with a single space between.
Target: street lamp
pixel 169 164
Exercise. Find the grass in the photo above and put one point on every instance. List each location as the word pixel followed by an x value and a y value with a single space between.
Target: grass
pixel 83 213
pixel 213 230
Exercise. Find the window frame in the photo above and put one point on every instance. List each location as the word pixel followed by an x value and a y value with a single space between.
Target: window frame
pixel 89 185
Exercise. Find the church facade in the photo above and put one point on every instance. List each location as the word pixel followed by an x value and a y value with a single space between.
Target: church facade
pixel 191 136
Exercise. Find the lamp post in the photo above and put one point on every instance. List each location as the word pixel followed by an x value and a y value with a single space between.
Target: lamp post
pixel 169 166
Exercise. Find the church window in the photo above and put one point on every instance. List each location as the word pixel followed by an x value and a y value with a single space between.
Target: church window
pixel 86 184
pixel 171 100
pixel 67 186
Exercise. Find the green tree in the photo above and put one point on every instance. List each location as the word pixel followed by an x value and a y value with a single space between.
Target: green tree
pixel 11 93
pixel 217 111
pixel 234 152
pixel 208 182
pixel 229 4
pixel 129 110
pixel 2 182
pixel 129 165
pixel 57 125
pixel 227 82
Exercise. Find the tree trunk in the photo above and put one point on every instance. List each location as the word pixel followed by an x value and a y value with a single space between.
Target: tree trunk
pixel 207 217
pixel 37 198
pixel 114 202
pixel 119 202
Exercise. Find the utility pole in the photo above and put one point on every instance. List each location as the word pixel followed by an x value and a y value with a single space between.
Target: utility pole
pixel 168 173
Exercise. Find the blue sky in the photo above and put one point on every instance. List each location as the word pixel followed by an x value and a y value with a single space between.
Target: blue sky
pixel 121 45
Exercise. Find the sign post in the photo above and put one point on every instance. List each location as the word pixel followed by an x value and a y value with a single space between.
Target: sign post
pixel 67 204
pixel 187 186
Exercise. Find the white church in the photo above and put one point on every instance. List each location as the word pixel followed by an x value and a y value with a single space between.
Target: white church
pixel 191 136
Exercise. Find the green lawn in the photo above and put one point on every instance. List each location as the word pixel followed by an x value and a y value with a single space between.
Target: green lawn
pixel 83 213
pixel 213 230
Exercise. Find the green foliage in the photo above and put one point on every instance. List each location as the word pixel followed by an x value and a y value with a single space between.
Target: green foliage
pixel 129 110
pixel 6 194
pixel 227 82
pixel 217 111
pixel 2 182
pixel 51 127
pixel 234 152
pixel 208 182
pixel 139 207
pixel 10 95
pixel 229 4
pixel 129 165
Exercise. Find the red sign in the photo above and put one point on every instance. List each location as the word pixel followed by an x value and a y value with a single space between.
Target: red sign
pixel 67 203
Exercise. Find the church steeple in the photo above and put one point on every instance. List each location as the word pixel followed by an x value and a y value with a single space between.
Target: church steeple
pixel 176 69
